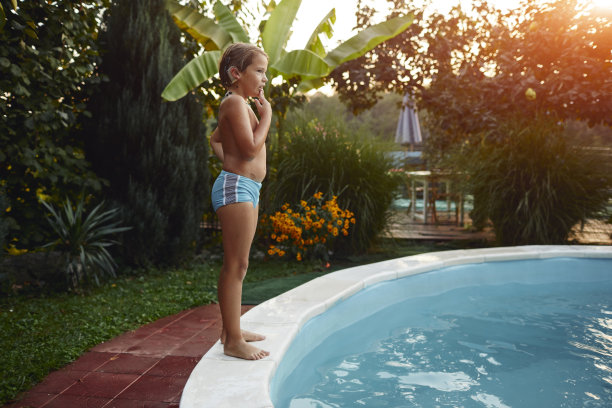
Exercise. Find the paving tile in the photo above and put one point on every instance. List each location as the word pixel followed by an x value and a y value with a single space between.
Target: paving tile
pixel 154 388
pixel 207 312
pixel 58 381
pixel 68 401
pixel 193 321
pixel 122 342
pixel 174 366
pixel 90 361
pixel 193 348
pixel 32 400
pixel 156 346
pixel 177 332
pixel 165 321
pixel 126 403
pixel 101 385
pixel 128 364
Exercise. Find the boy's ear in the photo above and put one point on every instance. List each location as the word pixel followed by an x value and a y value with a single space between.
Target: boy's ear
pixel 234 73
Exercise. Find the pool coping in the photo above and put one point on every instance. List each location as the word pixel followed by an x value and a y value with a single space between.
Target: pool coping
pixel 221 381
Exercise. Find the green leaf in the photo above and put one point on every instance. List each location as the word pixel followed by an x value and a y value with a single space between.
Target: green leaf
pixel 309 84
pixel 367 39
pixel 229 23
pixel 304 63
pixel 326 26
pixel 2 18
pixel 205 30
pixel 191 75
pixel 278 28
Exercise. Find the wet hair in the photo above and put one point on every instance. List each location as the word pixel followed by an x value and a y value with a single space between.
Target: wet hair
pixel 239 55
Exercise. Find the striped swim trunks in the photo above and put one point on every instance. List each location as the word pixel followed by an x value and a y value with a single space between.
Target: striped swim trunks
pixel 232 188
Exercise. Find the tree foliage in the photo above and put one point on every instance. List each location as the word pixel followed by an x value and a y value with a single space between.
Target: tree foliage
pixel 309 65
pixel 459 63
pixel 152 152
pixel 47 62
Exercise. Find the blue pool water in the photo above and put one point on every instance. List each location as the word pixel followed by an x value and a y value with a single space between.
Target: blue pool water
pixel 534 333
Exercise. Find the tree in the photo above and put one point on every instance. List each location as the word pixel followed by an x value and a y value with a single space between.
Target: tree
pixel 461 62
pixel 152 152
pixel 309 65
pixel 47 62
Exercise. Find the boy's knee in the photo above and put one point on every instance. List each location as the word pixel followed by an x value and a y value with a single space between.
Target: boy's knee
pixel 238 267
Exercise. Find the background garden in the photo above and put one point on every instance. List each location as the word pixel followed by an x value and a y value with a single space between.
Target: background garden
pixel 105 215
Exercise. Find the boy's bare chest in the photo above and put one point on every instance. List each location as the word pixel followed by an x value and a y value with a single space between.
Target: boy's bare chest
pixel 252 118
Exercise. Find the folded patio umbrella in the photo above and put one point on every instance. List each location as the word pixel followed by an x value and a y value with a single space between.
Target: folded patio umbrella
pixel 408 131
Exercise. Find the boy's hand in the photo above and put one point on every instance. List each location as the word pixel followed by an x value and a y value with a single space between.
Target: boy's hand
pixel 263 106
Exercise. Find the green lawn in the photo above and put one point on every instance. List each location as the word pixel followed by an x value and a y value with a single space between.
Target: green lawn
pixel 40 333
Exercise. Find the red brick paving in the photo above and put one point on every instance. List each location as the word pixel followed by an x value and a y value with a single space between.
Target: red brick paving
pixel 145 368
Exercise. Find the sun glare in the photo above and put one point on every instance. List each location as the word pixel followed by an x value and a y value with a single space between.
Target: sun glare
pixel 602 3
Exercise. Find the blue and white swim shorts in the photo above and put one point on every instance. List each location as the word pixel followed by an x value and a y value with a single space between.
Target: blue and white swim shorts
pixel 232 188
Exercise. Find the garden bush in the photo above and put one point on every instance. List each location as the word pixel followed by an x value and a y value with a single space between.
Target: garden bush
pixel 83 238
pixel 320 157
pixel 153 153
pixel 308 230
pixel 534 184
pixel 4 221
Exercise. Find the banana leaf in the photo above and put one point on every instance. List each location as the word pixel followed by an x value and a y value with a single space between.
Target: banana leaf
pixel 277 30
pixel 367 39
pixel 191 75
pixel 2 18
pixel 206 31
pixel 302 63
pixel 309 84
pixel 326 26
pixel 228 22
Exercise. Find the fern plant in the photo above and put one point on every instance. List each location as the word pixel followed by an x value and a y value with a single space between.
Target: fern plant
pixel 83 240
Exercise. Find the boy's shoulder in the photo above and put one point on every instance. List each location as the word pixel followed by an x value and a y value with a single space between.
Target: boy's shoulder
pixel 232 100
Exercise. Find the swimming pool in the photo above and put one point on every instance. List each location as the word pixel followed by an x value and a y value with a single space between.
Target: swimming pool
pixel 468 335
pixel 222 381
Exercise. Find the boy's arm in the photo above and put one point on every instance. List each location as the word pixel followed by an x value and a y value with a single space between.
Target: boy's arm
pixel 215 144
pixel 249 141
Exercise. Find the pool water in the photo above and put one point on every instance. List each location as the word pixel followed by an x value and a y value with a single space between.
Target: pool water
pixel 509 341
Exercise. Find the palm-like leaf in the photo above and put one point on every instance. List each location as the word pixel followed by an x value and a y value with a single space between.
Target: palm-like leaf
pixel 307 64
pixel 326 26
pixel 278 28
pixel 367 39
pixel 228 22
pixel 304 63
pixel 191 75
pixel 206 31
pixel 83 240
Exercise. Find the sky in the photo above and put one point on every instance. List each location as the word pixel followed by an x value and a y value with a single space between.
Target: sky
pixel 312 12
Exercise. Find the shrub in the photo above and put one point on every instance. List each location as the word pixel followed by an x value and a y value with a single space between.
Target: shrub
pixel 534 185
pixel 309 230
pixel 5 207
pixel 323 158
pixel 152 152
pixel 83 241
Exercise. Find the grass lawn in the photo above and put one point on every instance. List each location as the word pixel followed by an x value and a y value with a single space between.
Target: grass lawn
pixel 40 333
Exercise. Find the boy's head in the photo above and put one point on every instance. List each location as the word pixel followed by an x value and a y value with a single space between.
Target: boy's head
pixel 239 56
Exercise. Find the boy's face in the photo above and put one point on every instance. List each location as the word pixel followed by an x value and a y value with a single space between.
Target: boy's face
pixel 254 76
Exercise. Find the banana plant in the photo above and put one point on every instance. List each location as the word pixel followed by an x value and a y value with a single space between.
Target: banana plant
pixel 309 65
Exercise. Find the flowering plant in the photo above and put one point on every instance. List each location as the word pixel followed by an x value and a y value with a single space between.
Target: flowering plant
pixel 308 230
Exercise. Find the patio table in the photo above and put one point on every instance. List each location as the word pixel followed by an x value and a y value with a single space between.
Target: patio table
pixel 427 178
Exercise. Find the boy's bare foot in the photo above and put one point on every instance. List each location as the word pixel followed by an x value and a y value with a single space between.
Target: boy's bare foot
pixel 247 336
pixel 242 349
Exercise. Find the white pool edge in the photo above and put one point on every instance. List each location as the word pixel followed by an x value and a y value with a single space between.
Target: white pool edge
pixel 220 381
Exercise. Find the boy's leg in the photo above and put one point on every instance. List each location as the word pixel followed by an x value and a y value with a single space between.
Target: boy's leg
pixel 238 224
